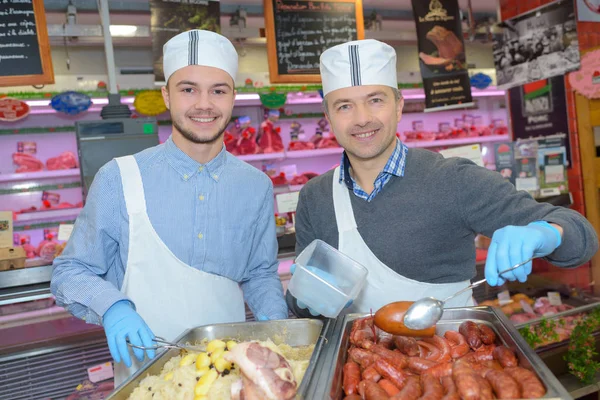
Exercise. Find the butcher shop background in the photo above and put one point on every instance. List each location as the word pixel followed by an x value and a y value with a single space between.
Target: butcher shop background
pixel 442 56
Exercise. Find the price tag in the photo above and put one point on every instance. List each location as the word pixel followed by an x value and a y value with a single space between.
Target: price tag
pixel 100 372
pixel 471 152
pixel 526 184
pixel 504 298
pixel 554 298
pixel 64 231
pixel 527 307
pixel 287 202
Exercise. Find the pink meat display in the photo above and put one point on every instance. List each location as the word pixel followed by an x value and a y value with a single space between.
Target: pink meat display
pixel 299 145
pixel 270 139
pixel 302 179
pixel 27 163
pixel 265 374
pixel 327 143
pixel 47 250
pixel 66 160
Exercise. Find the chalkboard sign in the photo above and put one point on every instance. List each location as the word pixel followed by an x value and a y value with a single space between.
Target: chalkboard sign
pixel 298 31
pixel 24 47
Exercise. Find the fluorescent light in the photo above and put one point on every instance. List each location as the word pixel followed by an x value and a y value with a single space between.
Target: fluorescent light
pixel 123 30
pixel 247 96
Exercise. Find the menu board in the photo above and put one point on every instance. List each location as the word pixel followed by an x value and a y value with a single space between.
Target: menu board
pixel 24 47
pixel 298 31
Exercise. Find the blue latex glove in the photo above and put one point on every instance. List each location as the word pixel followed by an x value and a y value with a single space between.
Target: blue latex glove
pixel 323 275
pixel 514 244
pixel 120 322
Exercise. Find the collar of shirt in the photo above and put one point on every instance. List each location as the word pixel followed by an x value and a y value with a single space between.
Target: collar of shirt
pixel 187 167
pixel 394 167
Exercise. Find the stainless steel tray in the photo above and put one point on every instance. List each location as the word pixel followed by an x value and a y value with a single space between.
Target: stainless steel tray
pixel 330 385
pixel 294 332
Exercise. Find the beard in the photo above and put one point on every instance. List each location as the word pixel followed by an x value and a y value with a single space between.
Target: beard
pixel 195 138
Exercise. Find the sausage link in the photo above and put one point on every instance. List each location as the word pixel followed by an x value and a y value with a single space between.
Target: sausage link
pixel 375 392
pixel 485 388
pixel 488 336
pixel 505 356
pixel 410 391
pixel 432 388
pixel 389 387
pixel 362 357
pixel 458 344
pixel 429 351
pixel 530 385
pixel 386 370
pixel 371 374
pixel 440 370
pixel 503 384
pixel 419 365
pixel 466 382
pixel 397 359
pixel 448 384
pixel 407 345
pixel 351 377
pixel 442 345
pixel 353 397
pixel 386 340
pixel 472 334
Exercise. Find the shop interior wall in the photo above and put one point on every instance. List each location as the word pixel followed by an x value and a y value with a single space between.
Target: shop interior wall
pixel 589 38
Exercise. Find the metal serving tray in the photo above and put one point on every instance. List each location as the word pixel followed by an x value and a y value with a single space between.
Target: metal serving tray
pixel 330 384
pixel 294 332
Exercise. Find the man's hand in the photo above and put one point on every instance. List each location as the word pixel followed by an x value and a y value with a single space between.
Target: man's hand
pixel 512 245
pixel 122 322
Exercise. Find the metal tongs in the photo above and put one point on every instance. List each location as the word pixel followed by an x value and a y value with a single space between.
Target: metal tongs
pixel 163 344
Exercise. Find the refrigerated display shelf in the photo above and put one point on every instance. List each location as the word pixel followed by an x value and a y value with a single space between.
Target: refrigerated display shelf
pixel 25 131
pixel 262 157
pixel 458 142
pixel 43 225
pixel 41 175
pixel 314 153
pixel 48 215
pixel 38 188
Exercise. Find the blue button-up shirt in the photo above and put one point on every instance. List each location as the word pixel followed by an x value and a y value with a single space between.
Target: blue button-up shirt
pixel 394 167
pixel 216 217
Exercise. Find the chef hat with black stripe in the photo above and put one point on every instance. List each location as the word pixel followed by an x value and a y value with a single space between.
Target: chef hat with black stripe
pixel 357 63
pixel 199 47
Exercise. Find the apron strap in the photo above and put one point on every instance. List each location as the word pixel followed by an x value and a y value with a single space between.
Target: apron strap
pixel 133 188
pixel 344 215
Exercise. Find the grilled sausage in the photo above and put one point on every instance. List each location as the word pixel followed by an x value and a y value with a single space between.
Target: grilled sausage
pixel 389 387
pixel 371 374
pixel 488 336
pixel 531 387
pixel 442 345
pixel 375 392
pixel 503 384
pixel 410 391
pixel 386 370
pixel 362 357
pixel 432 388
pixel 351 377
pixel 440 370
pixel 458 344
pixel 419 365
pixel 472 334
pixel 505 356
pixel 407 345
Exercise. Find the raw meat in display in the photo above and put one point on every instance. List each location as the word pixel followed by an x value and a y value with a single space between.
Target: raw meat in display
pixel 302 179
pixel 246 143
pixel 298 145
pixel 431 369
pixel 27 163
pixel 66 160
pixel 327 143
pixel 230 142
pixel 270 139
pixel 279 180
pixel 264 371
pixel 47 249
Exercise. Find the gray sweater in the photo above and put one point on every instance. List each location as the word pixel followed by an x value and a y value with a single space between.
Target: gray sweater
pixel 423 225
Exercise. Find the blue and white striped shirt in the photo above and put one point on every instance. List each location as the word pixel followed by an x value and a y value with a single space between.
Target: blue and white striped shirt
pixel 394 167
pixel 228 201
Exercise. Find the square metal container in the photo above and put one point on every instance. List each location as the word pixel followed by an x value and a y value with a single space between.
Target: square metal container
pixel 329 385
pixel 294 332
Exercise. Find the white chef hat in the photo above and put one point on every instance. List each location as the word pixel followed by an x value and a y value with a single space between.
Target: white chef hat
pixel 361 62
pixel 199 47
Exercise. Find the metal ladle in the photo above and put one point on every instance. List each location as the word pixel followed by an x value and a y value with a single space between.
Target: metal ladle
pixel 427 311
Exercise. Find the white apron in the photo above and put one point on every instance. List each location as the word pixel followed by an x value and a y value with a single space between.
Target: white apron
pixel 169 295
pixel 383 285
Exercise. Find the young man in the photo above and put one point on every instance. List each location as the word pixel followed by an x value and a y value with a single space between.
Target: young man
pixel 170 238
pixel 409 215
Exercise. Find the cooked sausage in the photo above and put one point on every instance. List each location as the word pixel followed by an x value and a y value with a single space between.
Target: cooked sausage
pixel 410 391
pixel 429 351
pixel 407 345
pixel 472 334
pixel 397 359
pixel 488 336
pixel 375 392
pixel 419 365
pixel 448 384
pixel 362 357
pixel 531 387
pixel 386 370
pixel 432 388
pixel 503 384
pixel 361 389
pixel 458 344
pixel 466 382
pixel 440 370
pixel 442 345
pixel 386 340
pixel 389 387
pixel 351 377
pixel 353 397
pixel 371 374
pixel 505 356
pixel 485 388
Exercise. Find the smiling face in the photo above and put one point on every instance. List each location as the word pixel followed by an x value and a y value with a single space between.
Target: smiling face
pixel 200 100
pixel 364 119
